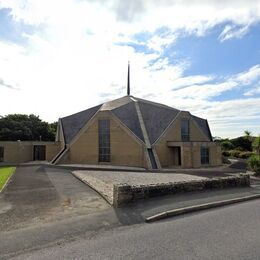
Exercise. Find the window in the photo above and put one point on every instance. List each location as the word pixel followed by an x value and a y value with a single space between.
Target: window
pixel 204 155
pixel 104 140
pixel 1 153
pixel 185 131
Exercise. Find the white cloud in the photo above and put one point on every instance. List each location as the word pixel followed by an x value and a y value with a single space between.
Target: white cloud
pixel 253 91
pixel 247 77
pixel 74 61
pixel 158 43
pixel 230 32
pixel 205 91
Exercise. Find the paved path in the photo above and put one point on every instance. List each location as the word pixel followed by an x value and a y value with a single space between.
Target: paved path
pixel 39 194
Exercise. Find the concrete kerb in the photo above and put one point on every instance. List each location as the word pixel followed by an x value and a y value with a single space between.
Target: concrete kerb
pixel 95 168
pixel 181 211
pixel 7 182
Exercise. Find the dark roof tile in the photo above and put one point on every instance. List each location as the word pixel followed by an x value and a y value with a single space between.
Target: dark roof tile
pixel 156 118
pixel 72 124
pixel 203 124
pixel 128 116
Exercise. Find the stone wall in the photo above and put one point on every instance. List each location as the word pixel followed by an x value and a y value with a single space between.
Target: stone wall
pixel 124 193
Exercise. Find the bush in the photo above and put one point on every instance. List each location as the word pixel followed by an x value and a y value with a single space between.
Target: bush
pixel 254 164
pixel 235 153
pixel 226 153
pixel 256 145
pixel 243 143
pixel 226 145
pixel 245 155
pixel 225 160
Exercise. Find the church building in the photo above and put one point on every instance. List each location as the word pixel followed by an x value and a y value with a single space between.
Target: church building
pixel 128 131
pixel 131 131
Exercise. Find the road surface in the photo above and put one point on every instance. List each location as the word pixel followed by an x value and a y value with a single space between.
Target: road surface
pixel 231 232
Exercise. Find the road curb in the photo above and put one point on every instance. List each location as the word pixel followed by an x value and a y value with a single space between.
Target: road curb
pixel 7 181
pixel 190 209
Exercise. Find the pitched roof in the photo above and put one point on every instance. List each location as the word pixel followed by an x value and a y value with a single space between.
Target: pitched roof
pixel 203 124
pixel 156 117
pixel 127 114
pixel 72 124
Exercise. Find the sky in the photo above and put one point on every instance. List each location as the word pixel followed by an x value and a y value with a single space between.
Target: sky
pixel 63 56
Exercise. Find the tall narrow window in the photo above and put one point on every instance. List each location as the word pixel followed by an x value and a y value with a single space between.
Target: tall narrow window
pixel 104 140
pixel 1 154
pixel 185 131
pixel 204 155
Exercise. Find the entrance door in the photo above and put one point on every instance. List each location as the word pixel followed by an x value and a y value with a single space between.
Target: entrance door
pixel 39 152
pixel 176 155
pixel 1 153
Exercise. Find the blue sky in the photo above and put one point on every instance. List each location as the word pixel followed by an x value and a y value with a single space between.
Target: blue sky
pixel 57 58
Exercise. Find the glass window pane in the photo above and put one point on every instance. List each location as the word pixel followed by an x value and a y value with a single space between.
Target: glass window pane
pixel 104 140
pixel 204 155
pixel 185 135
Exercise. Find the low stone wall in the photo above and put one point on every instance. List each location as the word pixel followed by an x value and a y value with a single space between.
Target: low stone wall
pixel 124 193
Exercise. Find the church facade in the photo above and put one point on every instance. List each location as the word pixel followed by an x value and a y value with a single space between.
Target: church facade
pixel 135 132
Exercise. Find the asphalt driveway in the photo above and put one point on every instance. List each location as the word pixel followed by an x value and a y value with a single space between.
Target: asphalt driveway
pixel 43 194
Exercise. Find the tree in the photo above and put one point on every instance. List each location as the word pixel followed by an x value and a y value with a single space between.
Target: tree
pixel 248 135
pixel 226 145
pixel 242 143
pixel 256 145
pixel 25 128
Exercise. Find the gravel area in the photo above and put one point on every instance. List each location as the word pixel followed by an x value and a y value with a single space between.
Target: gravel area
pixel 103 181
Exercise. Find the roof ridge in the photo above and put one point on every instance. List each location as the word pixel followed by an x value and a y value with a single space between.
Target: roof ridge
pixel 112 104
pixel 155 103
pixel 100 105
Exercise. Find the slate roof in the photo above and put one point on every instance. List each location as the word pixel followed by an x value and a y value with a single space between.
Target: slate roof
pixel 128 116
pixel 72 124
pixel 203 124
pixel 156 117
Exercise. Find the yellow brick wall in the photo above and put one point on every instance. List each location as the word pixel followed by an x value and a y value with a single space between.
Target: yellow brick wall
pixel 52 150
pixel 17 152
pixel 20 152
pixel 125 150
pixel 190 151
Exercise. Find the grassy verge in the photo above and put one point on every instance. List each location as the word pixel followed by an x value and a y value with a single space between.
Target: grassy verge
pixel 5 174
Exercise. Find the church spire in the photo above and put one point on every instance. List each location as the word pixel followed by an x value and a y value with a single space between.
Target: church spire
pixel 128 79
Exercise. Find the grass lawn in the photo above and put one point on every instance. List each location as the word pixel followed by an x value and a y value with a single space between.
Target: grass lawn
pixel 5 173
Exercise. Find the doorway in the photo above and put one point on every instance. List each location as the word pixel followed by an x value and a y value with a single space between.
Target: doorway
pixel 176 155
pixel 39 152
pixel 1 153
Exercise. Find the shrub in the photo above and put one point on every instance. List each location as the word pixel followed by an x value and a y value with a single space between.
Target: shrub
pixel 254 164
pixel 226 145
pixel 234 153
pixel 226 153
pixel 256 145
pixel 244 143
pixel 225 160
pixel 245 155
